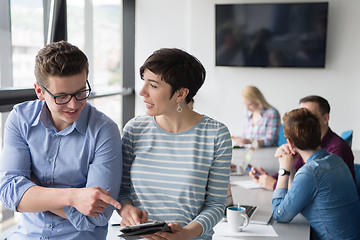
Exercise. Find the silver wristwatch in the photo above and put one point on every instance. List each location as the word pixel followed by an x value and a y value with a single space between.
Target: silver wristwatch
pixel 283 172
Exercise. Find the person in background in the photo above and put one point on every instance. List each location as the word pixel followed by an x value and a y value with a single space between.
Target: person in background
pixel 329 140
pixel 60 154
pixel 322 190
pixel 176 161
pixel 261 121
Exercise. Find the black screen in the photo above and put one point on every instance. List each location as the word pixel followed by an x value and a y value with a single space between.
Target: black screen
pixel 271 35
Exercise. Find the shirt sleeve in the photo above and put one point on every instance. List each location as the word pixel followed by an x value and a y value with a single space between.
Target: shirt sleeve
pixel 273 122
pixel 288 203
pixel 218 181
pixel 128 157
pixel 105 171
pixel 15 164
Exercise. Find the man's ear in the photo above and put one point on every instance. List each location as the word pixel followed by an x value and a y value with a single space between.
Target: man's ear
pixel 39 91
pixel 326 118
pixel 181 94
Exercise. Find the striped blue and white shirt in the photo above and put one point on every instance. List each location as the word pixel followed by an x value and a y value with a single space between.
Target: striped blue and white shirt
pixel 177 177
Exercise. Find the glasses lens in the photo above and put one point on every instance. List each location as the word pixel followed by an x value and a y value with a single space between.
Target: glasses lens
pixel 82 95
pixel 62 99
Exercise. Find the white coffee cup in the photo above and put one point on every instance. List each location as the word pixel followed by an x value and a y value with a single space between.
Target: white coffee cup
pixel 237 218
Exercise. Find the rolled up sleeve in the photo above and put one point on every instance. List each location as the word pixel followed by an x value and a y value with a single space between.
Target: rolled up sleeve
pixel 15 164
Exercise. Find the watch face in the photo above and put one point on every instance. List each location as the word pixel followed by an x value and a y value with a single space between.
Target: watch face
pixel 283 172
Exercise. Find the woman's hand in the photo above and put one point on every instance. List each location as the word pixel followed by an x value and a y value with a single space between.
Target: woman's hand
pixel 286 155
pixel 177 233
pixel 132 215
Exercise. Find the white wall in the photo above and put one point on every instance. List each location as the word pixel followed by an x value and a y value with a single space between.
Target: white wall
pixel 190 25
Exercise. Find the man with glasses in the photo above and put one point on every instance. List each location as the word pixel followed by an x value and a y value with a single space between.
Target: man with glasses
pixel 61 164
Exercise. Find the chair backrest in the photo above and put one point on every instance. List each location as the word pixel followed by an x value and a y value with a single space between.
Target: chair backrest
pixel 357 176
pixel 347 136
pixel 282 139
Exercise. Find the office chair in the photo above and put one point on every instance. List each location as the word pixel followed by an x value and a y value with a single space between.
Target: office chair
pixel 347 136
pixel 282 139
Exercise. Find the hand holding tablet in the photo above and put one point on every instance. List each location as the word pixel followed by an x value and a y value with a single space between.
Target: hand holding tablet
pixel 144 229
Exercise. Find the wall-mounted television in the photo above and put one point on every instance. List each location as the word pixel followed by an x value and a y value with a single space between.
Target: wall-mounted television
pixel 271 34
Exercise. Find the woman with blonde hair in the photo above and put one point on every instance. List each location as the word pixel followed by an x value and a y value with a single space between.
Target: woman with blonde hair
pixel 261 121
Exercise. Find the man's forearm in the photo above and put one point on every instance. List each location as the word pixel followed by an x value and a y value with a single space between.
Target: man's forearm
pixel 40 199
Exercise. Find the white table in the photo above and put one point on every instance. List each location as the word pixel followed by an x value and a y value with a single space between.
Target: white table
pixel 298 228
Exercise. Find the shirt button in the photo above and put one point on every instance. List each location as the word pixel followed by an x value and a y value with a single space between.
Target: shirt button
pixel 48 225
pixel 51 160
pixel 279 211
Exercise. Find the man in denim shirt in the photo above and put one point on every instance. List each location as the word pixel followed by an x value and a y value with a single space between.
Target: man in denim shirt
pixel 323 190
pixel 331 141
pixel 61 164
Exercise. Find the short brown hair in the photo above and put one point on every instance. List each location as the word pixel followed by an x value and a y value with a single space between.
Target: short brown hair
pixel 177 68
pixel 59 59
pixel 324 106
pixel 302 128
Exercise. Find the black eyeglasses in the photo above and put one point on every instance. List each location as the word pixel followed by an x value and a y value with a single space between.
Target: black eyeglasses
pixel 65 98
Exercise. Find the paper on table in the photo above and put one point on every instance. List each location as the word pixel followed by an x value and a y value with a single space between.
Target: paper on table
pixel 222 230
pixel 248 184
pixel 115 218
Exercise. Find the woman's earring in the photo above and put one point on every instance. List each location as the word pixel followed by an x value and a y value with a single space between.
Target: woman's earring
pixel 179 109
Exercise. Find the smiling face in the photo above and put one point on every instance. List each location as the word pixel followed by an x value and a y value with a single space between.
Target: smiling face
pixel 156 93
pixel 64 115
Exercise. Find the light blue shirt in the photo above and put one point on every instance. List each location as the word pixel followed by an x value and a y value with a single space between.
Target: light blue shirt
pixel 323 190
pixel 177 177
pixel 85 154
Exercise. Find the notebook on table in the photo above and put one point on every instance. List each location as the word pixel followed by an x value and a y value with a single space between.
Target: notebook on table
pixel 258 215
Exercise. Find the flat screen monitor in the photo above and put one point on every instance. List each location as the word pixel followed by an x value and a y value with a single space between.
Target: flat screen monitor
pixel 271 35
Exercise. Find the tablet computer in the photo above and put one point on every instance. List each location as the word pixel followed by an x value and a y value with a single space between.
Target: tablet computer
pixel 144 229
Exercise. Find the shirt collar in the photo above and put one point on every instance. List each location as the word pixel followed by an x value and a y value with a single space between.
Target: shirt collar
pixel 326 137
pixel 249 113
pixel 318 154
pixel 80 125
pixel 82 122
pixel 43 117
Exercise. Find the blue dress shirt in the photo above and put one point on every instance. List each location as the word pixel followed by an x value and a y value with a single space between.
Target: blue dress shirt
pixel 324 191
pixel 85 154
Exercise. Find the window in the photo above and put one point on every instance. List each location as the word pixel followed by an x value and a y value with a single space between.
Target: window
pixel 100 25
pixel 95 26
pixel 27 38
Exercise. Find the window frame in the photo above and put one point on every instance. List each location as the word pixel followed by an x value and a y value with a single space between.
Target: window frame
pixel 9 96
